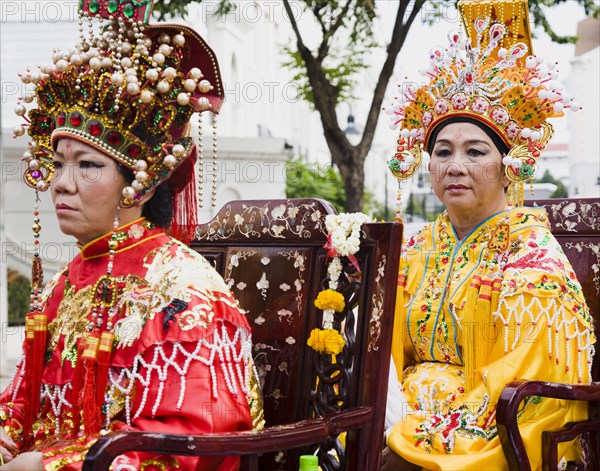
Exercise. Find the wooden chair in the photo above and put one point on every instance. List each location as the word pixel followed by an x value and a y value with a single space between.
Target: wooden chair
pixel 576 225
pixel 271 254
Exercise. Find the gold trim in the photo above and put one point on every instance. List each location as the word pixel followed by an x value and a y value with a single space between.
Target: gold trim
pixel 124 249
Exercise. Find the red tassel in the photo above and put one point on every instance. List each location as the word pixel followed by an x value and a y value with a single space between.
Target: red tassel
pixel 92 421
pixel 104 351
pixel 185 204
pixel 38 358
pixel 77 386
pixel 35 352
pixel 29 412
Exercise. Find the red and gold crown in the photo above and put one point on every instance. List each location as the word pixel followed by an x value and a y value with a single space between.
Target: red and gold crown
pixel 128 89
pixel 487 73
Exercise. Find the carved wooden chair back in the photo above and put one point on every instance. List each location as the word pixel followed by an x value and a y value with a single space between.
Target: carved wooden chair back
pixel 271 254
pixel 576 225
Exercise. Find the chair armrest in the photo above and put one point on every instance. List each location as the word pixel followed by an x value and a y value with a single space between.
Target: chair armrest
pixel 508 406
pixel 297 434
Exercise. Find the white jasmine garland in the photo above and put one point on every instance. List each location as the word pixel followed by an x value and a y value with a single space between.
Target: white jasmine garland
pixel 344 234
pixel 334 270
pixel 328 319
pixel 344 230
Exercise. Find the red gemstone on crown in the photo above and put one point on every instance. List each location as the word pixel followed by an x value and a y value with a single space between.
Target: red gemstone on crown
pixel 134 151
pixel 95 128
pixel 114 138
pixel 469 77
pixel 61 118
pixel 76 119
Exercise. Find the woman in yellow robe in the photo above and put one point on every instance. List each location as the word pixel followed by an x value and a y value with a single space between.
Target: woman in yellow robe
pixel 486 295
pixel 539 328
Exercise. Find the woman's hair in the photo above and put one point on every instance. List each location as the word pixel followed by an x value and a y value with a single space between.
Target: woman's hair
pixel 159 208
pixel 495 138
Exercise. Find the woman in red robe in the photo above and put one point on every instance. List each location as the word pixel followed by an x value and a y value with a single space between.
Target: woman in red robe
pixel 137 332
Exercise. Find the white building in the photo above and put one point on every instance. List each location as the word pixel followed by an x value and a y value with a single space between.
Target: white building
pixel 584 82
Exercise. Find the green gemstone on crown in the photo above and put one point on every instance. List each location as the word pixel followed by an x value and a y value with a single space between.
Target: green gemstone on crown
pixel 94 6
pixel 526 170
pixel 112 6
pixel 128 10
pixel 394 164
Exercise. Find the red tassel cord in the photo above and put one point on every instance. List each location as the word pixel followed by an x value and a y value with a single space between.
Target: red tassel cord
pixel 185 204
pixel 92 418
pixel 104 355
pixel 77 386
pixel 29 412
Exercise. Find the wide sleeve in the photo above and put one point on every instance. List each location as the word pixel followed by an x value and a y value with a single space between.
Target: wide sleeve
pixel 11 405
pixel 13 399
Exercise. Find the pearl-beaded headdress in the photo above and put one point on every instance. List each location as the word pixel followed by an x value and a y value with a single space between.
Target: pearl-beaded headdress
pixel 128 89
pixel 488 73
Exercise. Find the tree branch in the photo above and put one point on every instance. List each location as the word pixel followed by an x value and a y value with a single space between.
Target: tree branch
pixel 398 37
pixel 301 46
pixel 327 35
pixel 316 11
pixel 323 96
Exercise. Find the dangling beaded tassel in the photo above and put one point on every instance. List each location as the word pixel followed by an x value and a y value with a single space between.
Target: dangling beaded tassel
pixel 520 193
pixel 398 217
pixel 107 337
pixel 531 192
pixel 118 77
pixel 200 163
pixel 98 346
pixel 76 58
pixel 214 162
pixel 36 331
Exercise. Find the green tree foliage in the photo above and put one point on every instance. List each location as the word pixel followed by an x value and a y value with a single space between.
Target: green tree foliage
pixel 561 189
pixel 312 180
pixel 19 290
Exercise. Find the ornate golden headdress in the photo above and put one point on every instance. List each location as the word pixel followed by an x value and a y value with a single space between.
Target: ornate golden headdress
pixel 489 74
pixel 128 89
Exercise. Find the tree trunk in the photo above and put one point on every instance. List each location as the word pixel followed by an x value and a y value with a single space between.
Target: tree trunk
pixel 352 170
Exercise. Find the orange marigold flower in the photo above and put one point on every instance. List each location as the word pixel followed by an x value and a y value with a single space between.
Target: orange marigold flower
pixel 327 341
pixel 330 299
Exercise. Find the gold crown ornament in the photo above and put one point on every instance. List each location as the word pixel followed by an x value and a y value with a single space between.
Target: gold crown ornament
pixel 128 89
pixel 489 74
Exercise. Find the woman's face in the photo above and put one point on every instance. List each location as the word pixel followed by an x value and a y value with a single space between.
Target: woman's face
pixel 467 173
pixel 86 190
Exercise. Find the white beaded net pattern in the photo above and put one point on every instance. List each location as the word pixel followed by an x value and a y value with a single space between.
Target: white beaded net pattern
pixel 228 354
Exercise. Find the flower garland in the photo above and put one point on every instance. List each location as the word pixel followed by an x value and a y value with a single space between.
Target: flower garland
pixel 343 240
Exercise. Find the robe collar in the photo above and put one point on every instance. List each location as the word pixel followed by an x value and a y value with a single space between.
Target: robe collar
pixel 128 236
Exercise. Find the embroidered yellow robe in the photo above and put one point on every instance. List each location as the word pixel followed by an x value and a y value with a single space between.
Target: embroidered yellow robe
pixel 500 305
